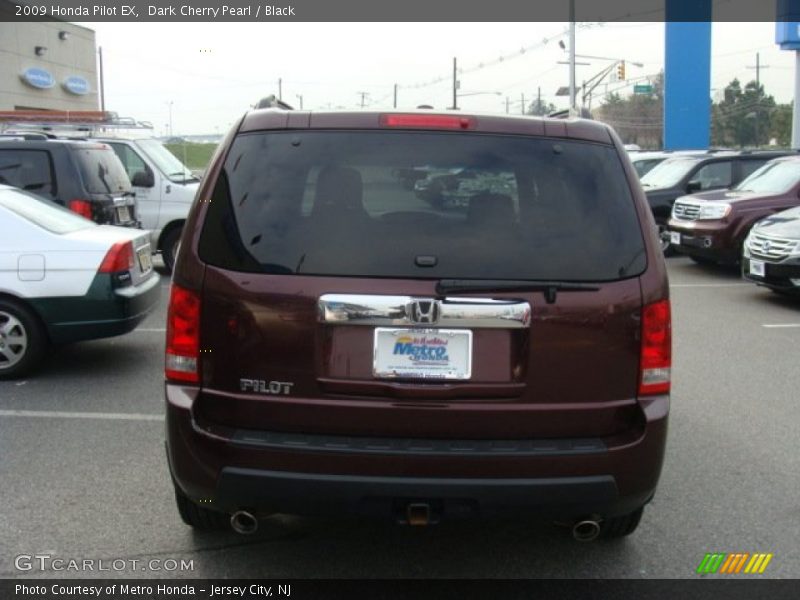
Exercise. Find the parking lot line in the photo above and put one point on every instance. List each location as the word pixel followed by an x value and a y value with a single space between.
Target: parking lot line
pixel 780 325
pixel 52 414
pixel 709 285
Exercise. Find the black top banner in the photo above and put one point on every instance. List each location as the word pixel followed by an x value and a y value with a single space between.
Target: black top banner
pixel 405 11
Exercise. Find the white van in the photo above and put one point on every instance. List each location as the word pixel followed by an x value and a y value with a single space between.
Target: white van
pixel 164 187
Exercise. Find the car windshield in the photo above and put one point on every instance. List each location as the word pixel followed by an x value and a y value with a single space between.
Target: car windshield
pixel 101 170
pixel 668 173
pixel 433 205
pixel 44 213
pixel 773 178
pixel 165 161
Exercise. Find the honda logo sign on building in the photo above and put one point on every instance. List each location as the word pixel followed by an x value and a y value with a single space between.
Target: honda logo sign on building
pixel 76 85
pixel 38 78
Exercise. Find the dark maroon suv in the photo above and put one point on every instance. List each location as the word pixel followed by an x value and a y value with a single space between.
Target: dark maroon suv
pixel 335 344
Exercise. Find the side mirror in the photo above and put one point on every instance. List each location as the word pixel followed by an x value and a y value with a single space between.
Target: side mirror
pixel 693 186
pixel 143 179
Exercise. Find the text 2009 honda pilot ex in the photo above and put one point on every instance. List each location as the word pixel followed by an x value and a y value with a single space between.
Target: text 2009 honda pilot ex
pixel 335 344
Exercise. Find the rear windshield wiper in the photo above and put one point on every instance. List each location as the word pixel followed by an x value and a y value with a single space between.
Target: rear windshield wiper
pixel 550 288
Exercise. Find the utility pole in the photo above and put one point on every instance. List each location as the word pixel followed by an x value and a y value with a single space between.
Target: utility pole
pixel 572 109
pixel 363 98
pixel 102 81
pixel 170 103
pixel 395 95
pixel 507 101
pixel 539 99
pixel 280 88
pixel 455 85
pixel 300 97
pixel 758 66
pixel 522 108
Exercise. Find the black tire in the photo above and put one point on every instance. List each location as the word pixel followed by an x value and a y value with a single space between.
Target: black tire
pixel 23 341
pixel 199 517
pixel 702 260
pixel 617 527
pixel 169 247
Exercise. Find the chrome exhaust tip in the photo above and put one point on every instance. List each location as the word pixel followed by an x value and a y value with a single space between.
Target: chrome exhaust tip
pixel 244 522
pixel 586 531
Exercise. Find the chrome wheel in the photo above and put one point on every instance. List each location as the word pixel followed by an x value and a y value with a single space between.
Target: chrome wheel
pixel 13 340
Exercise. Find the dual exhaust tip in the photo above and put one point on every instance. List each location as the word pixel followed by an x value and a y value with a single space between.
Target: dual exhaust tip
pixel 418 514
pixel 587 530
pixel 244 522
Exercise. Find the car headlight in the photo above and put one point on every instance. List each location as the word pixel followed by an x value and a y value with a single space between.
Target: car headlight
pixel 714 210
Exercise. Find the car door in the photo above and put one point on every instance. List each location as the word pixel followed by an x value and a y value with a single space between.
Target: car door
pixel 148 194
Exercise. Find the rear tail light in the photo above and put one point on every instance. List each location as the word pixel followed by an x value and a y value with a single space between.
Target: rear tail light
pixel 656 351
pixel 428 121
pixel 82 207
pixel 119 258
pixel 183 335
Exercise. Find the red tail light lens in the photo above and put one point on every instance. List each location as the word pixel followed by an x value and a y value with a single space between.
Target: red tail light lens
pixel 183 335
pixel 428 121
pixel 119 258
pixel 82 207
pixel 656 353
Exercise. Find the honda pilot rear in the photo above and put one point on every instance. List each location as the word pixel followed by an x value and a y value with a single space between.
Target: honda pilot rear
pixel 337 344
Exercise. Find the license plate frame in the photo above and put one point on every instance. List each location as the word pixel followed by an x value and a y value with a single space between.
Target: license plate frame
pixel 123 214
pixel 145 259
pixel 758 268
pixel 422 354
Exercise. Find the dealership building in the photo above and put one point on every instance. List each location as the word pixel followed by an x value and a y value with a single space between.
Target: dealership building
pixel 47 66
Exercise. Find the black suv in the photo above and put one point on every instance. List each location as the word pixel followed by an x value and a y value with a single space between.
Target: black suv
pixel 683 175
pixel 85 177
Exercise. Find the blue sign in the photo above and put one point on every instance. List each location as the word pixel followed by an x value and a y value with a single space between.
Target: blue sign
pixel 76 85
pixel 38 78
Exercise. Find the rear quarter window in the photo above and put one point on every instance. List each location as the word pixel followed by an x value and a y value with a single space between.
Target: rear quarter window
pixel 423 205
pixel 30 170
pixel 101 170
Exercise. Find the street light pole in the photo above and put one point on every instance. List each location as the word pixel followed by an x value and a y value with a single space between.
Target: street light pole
pixel 455 85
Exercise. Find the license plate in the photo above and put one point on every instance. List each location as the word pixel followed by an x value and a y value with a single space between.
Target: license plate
pixel 675 238
pixel 145 260
pixel 123 214
pixel 422 353
pixel 757 268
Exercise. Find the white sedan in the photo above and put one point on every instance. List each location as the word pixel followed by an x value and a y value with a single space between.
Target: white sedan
pixel 64 279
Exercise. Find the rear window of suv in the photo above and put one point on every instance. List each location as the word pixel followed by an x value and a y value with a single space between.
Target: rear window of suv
pixel 423 205
pixel 101 170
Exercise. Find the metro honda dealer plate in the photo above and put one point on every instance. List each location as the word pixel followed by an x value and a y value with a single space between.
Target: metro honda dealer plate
pixel 674 237
pixel 123 214
pixel 422 353
pixel 757 268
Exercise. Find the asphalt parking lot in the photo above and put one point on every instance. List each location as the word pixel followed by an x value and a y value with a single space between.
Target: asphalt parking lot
pixel 84 474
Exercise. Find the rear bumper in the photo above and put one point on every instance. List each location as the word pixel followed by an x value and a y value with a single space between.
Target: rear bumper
pixel 227 470
pixel 105 310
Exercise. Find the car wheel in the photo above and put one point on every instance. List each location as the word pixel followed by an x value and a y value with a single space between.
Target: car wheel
pixel 199 517
pixel 617 527
pixel 169 247
pixel 22 340
pixel 663 237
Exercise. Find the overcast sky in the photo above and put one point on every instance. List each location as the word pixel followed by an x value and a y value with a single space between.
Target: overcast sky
pixel 212 72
